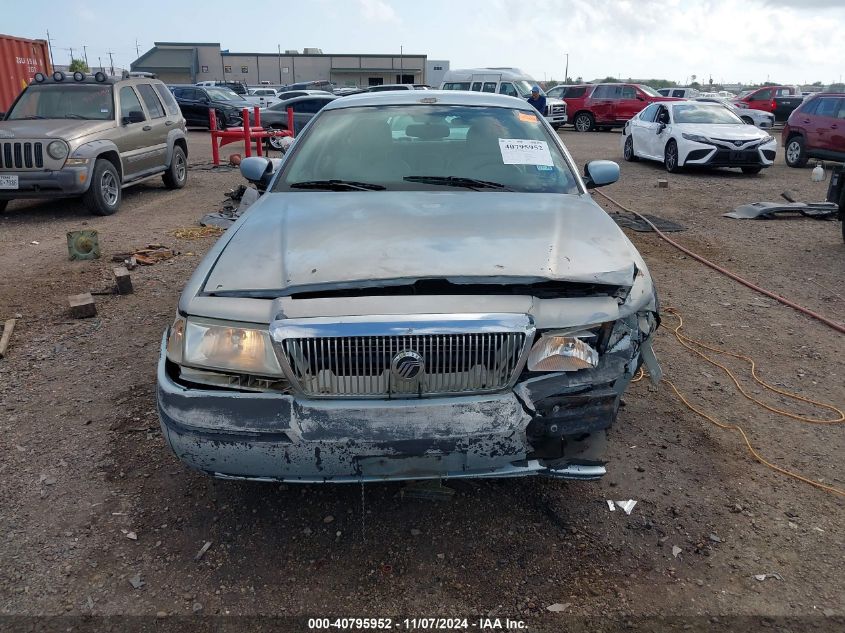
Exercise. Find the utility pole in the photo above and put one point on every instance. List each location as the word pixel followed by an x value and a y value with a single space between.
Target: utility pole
pixel 111 63
pixel 401 64
pixel 85 55
pixel 279 46
pixel 71 55
pixel 137 49
pixel 566 72
pixel 50 47
pixel 100 62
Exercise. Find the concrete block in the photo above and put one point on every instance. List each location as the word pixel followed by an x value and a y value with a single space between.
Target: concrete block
pixel 82 306
pixel 662 184
pixel 123 280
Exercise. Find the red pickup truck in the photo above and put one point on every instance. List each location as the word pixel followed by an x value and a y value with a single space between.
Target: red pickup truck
pixel 605 106
pixel 779 100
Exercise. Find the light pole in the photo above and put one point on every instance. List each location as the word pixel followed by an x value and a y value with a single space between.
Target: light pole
pixel 566 72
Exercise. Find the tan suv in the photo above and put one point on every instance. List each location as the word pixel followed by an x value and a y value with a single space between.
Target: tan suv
pixel 90 136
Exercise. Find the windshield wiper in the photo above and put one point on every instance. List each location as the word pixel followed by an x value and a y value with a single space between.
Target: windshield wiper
pixel 337 185
pixel 29 118
pixel 454 181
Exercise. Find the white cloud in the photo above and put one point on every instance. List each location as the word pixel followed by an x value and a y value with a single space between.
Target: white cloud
pixel 378 11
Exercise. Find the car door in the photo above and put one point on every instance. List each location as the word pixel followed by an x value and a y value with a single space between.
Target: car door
pixel 189 103
pixel 628 103
pixel 135 137
pixel 825 125
pixel 603 101
pixel 644 129
pixel 761 100
pixel 159 123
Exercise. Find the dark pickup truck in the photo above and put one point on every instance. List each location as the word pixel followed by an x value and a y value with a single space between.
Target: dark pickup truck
pixel 779 100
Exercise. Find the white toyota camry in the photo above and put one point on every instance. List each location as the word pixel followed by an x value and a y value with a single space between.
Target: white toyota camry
pixel 697 134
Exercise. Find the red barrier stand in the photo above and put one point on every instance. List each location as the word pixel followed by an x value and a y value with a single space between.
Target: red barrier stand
pixel 246 133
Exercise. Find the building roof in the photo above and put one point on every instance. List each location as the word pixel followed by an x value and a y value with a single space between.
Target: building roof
pixel 163 58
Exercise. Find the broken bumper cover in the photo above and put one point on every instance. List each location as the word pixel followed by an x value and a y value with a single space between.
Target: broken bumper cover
pixel 280 437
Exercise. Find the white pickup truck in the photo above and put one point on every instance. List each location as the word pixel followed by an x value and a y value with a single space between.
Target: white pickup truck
pixel 262 97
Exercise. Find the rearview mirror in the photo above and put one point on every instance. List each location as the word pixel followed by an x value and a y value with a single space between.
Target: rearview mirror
pixel 598 173
pixel 134 116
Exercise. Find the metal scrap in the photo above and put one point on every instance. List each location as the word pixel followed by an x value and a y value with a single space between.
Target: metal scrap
pixel 239 200
pixel 768 210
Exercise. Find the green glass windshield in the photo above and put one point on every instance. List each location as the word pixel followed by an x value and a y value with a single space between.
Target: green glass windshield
pixel 422 147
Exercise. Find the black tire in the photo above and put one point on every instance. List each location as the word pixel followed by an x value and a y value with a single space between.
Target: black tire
pixel 556 126
pixel 3 204
pixel 104 194
pixel 220 120
pixel 795 153
pixel 584 122
pixel 177 174
pixel 670 157
pixel 751 170
pixel 274 142
pixel 628 152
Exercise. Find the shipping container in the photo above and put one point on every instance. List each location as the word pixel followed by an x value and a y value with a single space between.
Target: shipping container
pixel 20 59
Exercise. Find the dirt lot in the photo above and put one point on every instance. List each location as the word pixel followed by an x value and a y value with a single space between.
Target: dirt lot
pixel 91 501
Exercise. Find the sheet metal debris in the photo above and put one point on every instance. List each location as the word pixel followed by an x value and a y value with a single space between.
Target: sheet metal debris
pixel 239 200
pixel 768 210
pixel 625 506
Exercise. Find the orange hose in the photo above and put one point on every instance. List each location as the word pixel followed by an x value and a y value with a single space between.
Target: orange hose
pixel 830 323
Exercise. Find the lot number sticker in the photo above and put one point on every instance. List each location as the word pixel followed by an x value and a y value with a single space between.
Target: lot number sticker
pixel 525 152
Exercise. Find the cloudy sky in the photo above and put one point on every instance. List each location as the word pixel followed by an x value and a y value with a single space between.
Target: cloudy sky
pixel 791 41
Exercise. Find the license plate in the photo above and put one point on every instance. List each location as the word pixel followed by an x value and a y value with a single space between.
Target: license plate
pixel 8 182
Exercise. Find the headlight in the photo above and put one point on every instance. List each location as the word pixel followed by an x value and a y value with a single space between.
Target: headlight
pixel 768 139
pixel 76 162
pixel 697 138
pixel 57 150
pixel 223 347
pixel 561 353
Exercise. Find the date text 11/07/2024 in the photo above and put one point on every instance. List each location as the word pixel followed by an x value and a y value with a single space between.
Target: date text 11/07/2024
pixel 417 624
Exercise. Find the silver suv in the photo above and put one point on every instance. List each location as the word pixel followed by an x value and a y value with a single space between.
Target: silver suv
pixel 90 136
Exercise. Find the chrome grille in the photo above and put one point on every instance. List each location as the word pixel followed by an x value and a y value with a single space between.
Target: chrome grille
pixel 463 357
pixel 17 155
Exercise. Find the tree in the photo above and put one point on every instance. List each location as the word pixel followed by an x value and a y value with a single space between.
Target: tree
pixel 695 84
pixel 837 87
pixel 78 65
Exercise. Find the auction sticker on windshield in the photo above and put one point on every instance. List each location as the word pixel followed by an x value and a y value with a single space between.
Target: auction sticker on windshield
pixel 525 152
pixel 8 182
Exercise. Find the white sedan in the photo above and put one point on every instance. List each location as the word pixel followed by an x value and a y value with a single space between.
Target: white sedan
pixel 697 134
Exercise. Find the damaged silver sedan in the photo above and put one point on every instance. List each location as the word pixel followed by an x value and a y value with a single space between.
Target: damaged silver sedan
pixel 425 290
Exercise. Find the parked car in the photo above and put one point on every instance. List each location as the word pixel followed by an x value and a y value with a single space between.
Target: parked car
pixel 195 102
pixel 320 84
pixel 816 130
pixel 605 106
pixel 680 93
pixel 289 94
pixel 763 120
pixel 562 92
pixel 388 87
pixel 90 136
pixel 695 134
pixel 263 97
pixel 235 86
pixel 507 81
pixel 426 290
pixel 304 109
pixel 779 100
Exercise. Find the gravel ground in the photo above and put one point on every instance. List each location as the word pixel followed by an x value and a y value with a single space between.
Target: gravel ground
pixel 98 518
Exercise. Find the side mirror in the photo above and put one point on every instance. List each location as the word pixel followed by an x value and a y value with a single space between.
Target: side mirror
pixel 258 170
pixel 661 127
pixel 640 98
pixel 134 116
pixel 598 173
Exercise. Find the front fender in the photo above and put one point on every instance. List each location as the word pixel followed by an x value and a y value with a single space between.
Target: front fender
pixel 172 137
pixel 92 150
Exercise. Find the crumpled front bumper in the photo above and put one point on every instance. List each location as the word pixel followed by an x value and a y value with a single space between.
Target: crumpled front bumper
pixel 554 425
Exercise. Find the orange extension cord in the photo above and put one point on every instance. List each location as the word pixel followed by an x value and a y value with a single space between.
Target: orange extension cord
pixel 691 343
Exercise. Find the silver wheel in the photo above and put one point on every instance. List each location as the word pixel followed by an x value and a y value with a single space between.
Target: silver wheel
pixel 793 152
pixel 275 142
pixel 583 123
pixel 628 152
pixel 109 188
pixel 181 167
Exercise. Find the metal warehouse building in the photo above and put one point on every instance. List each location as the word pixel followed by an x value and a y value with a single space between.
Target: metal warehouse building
pixel 190 62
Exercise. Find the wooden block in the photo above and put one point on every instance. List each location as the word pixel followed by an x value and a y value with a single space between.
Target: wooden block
pixel 7 336
pixel 662 184
pixel 82 306
pixel 124 281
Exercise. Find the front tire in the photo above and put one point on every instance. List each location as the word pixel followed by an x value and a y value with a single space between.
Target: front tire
pixel 3 204
pixel 795 154
pixel 584 122
pixel 220 120
pixel 104 193
pixel 751 170
pixel 177 174
pixel 670 157
pixel 628 153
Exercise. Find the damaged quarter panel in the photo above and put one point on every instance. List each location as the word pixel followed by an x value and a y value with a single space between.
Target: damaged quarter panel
pixel 426 290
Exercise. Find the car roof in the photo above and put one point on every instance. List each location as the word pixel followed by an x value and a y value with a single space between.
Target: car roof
pixel 297 99
pixel 440 97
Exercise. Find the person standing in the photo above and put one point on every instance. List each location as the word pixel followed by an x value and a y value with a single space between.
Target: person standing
pixel 537 100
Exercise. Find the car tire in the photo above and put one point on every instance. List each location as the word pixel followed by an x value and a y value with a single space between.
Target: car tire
pixel 104 194
pixel 584 122
pixel 670 157
pixel 628 152
pixel 751 170
pixel 796 153
pixel 3 204
pixel 274 142
pixel 177 174
pixel 220 120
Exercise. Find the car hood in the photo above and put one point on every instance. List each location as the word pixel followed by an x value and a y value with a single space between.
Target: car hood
pixel 309 241
pixel 729 131
pixel 67 129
